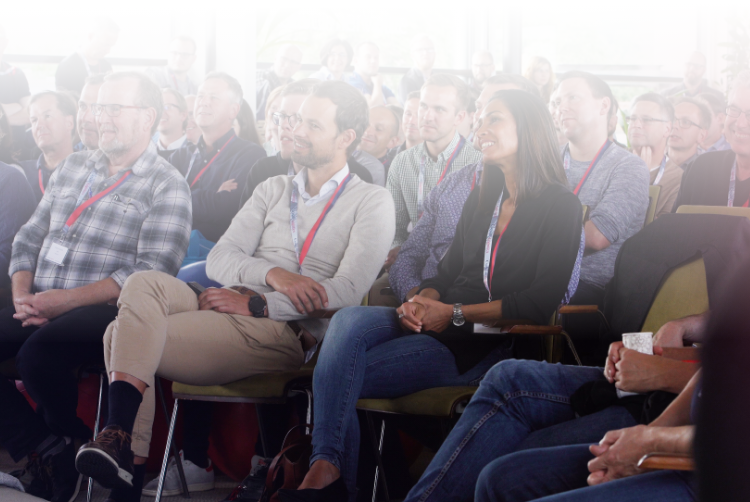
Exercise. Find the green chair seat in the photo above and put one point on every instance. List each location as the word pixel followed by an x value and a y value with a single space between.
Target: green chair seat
pixel 268 387
pixel 437 402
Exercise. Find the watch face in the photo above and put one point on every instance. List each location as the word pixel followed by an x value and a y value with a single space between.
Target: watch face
pixel 459 321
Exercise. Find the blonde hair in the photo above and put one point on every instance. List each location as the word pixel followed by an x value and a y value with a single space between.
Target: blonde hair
pixel 537 63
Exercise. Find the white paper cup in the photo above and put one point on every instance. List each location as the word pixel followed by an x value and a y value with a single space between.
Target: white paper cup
pixel 640 342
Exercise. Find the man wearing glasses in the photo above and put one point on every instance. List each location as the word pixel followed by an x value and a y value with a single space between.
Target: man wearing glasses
pixel 216 168
pixel 692 118
pixel 105 215
pixel 649 126
pixel 286 119
pixel 173 123
pixel 179 62
pixel 723 178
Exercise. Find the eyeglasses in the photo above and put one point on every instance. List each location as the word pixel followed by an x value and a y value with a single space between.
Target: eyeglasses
pixel 279 119
pixel 643 120
pixel 735 112
pixel 685 123
pixel 112 110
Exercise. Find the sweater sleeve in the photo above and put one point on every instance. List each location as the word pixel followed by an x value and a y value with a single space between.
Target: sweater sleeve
pixel 562 231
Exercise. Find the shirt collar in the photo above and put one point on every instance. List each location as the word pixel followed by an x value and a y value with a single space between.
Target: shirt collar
pixel 173 145
pixel 142 165
pixel 300 180
pixel 218 143
pixel 445 154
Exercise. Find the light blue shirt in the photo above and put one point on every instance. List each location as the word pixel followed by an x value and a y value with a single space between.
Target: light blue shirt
pixel 330 186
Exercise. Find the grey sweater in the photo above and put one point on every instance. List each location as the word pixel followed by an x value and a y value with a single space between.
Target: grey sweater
pixel 348 251
pixel 616 193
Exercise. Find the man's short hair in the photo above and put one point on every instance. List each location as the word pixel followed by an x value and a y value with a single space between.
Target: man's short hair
pixel 190 40
pixel 299 87
pixel 148 94
pixel 328 47
pixel 413 95
pixel 65 102
pixel 599 88
pixel 703 110
pixel 715 101
pixel 234 85
pixel 509 78
pixel 666 108
pixel 446 80
pixel 181 102
pixel 352 111
pixel 95 79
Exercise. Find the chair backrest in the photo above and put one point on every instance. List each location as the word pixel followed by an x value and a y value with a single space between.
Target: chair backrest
pixel 653 199
pixel 196 272
pixel 585 212
pixel 682 293
pixel 727 211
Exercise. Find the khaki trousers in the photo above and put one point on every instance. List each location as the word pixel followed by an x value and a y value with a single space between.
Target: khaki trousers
pixel 159 331
pixel 377 299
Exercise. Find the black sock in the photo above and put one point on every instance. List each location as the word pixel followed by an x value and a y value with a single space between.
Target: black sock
pixel 131 494
pixel 124 401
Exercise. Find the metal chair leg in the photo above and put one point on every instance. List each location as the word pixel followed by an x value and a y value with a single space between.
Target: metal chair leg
pixel 165 461
pixel 378 450
pixel 178 460
pixel 96 428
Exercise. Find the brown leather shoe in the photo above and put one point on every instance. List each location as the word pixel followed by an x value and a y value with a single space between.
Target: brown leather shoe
pixel 108 459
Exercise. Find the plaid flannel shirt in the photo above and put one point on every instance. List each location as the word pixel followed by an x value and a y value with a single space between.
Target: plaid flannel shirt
pixel 144 224
pixel 403 180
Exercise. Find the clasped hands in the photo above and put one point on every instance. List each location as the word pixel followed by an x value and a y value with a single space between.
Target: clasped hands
pixel 424 314
pixel 37 309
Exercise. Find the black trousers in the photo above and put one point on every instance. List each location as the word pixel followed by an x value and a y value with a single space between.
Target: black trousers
pixel 46 358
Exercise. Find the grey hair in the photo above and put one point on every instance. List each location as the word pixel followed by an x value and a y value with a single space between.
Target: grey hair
pixel 148 96
pixel 234 85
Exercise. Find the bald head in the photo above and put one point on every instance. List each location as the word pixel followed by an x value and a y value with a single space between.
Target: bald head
pixel 382 133
pixel 288 61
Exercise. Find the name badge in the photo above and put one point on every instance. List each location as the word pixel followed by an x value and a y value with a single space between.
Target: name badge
pixel 56 254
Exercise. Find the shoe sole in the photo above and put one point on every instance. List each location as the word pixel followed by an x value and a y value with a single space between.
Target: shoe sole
pixel 96 464
pixel 198 487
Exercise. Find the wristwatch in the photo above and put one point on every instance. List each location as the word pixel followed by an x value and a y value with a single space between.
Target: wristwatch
pixel 257 306
pixel 458 315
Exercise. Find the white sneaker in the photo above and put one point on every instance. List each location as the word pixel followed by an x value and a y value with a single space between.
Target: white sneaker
pixel 198 479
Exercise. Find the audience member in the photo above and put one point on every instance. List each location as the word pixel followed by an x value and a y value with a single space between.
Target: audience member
pixel 284 121
pixel 423 60
pixel 216 168
pixel 244 125
pixel 271 131
pixel 482 68
pixel 14 89
pixel 192 131
pixel 466 127
pixel 410 122
pixel 429 341
pixel 693 82
pixel 175 75
pixel 523 424
pixel 53 124
pixel 561 139
pixel 715 140
pixel 692 118
pixel 419 256
pixel 173 123
pixel 612 182
pixel 382 135
pixel 649 126
pixel 260 325
pixel 335 58
pixel 372 164
pixel 539 71
pixel 89 60
pixel 88 132
pixel 398 111
pixel 366 78
pixel 722 178
pixel 288 62
pixel 416 171
pixel 17 202
pixel 68 266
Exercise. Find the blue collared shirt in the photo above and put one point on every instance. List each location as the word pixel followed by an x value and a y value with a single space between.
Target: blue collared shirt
pixel 355 80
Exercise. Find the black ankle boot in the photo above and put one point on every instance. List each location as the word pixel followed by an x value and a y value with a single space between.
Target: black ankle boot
pixel 335 492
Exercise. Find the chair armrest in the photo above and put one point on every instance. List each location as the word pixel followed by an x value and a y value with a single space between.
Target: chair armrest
pixel 535 330
pixel 667 461
pixel 578 309
pixel 681 353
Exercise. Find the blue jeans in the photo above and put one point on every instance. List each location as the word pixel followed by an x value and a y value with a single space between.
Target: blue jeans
pixel 519 405
pixel 366 354
pixel 559 475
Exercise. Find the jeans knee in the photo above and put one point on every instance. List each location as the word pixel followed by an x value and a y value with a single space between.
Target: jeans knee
pixel 493 477
pixel 513 374
pixel 348 326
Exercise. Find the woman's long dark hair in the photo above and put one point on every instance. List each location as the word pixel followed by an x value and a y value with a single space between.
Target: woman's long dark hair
pixel 539 161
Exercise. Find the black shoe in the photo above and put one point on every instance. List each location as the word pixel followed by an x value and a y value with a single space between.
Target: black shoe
pixel 40 484
pixel 66 481
pixel 251 488
pixel 108 459
pixel 335 492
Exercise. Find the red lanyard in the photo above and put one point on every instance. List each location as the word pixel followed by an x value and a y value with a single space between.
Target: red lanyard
pixel 566 164
pixel 450 159
pixel 494 253
pixel 93 200
pixel 41 185
pixel 198 176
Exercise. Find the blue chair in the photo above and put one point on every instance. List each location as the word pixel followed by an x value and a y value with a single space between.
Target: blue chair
pixel 196 272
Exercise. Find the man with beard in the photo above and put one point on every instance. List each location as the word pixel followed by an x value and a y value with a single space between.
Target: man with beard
pixel 105 215
pixel 313 241
pixel 693 82
pixel 85 119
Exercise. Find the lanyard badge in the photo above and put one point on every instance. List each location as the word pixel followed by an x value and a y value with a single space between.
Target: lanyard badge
pixel 490 255
pixel 662 166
